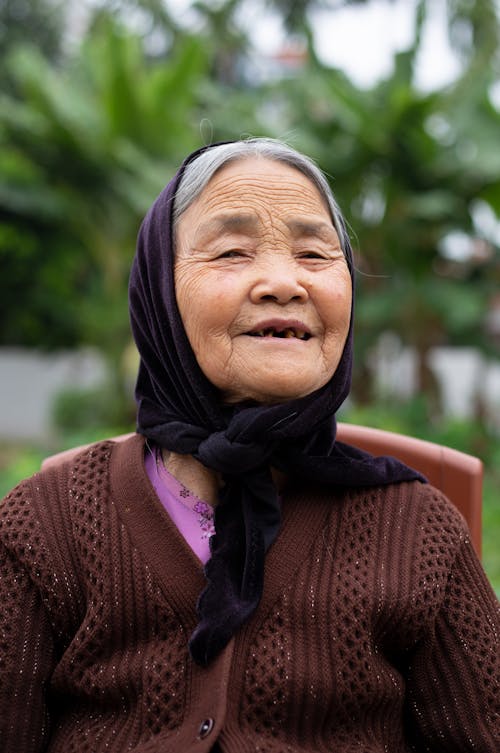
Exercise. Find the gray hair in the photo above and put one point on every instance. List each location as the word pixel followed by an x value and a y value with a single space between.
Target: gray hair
pixel 201 170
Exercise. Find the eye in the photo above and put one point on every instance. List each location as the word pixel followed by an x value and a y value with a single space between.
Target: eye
pixel 311 255
pixel 232 253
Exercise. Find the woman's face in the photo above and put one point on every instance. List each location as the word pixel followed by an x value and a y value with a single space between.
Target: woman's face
pixel 262 284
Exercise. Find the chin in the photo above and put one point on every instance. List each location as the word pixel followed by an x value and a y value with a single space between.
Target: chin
pixel 267 397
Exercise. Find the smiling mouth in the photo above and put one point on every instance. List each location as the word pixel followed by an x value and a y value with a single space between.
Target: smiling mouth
pixel 285 333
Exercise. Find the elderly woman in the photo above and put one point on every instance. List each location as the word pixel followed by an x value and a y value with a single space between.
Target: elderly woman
pixel 231 578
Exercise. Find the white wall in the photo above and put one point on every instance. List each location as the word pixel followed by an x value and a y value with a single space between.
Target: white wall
pixel 29 382
pixel 466 378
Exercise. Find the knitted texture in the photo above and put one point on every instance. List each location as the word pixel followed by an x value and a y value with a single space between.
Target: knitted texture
pixel 377 630
pixel 104 631
pixel 354 666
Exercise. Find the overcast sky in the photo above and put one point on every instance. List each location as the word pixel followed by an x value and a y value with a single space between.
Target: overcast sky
pixel 361 39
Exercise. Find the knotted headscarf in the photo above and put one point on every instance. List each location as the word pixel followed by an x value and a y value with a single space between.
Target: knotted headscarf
pixel 182 411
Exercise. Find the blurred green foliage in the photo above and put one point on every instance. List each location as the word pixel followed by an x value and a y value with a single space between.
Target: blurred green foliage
pixel 40 21
pixel 84 148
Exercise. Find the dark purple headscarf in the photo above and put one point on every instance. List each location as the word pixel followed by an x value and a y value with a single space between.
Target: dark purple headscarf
pixel 179 409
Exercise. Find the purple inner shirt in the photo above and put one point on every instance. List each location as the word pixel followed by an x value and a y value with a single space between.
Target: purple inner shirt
pixel 193 517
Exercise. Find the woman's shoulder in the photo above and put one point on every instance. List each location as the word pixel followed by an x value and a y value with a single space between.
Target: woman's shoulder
pixel 423 501
pixel 49 519
pixel 86 459
pixel 413 497
pixel 423 497
pixel 428 505
pixel 421 511
pixel 40 505
pixel 411 514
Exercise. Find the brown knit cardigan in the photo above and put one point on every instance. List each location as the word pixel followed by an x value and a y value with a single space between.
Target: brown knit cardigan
pixel 377 630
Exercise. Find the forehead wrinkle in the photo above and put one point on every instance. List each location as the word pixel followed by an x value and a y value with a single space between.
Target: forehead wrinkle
pixel 234 188
pixel 246 203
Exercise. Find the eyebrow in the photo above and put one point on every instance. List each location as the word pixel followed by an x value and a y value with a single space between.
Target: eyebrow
pixel 228 223
pixel 307 229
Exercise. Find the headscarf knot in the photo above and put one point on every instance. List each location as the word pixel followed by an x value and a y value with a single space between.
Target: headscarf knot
pixel 229 457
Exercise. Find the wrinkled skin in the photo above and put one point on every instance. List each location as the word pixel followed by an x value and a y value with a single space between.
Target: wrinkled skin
pixel 262 284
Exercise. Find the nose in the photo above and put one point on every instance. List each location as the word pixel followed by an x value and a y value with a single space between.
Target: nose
pixel 279 281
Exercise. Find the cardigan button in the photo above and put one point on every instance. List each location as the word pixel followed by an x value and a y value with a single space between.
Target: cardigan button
pixel 205 729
